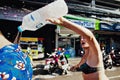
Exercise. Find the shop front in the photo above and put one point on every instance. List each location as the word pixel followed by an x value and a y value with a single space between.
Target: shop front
pixel 70 40
pixel 32 46
pixel 108 36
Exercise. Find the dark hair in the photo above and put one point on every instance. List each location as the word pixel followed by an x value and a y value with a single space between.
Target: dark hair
pixel 9 29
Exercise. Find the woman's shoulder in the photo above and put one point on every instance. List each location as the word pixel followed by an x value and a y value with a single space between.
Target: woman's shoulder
pixel 10 47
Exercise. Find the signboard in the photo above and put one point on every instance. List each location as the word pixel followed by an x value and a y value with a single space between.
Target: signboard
pixel 117 27
pixel 86 22
pixel 28 39
pixel 106 26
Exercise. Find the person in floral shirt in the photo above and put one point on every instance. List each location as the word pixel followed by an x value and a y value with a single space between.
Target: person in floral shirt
pixel 14 64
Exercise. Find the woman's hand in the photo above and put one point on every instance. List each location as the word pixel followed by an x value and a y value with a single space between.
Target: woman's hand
pixel 74 68
pixel 57 21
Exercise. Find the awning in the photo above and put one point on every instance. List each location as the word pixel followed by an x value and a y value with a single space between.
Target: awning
pixel 13 14
pixel 107 32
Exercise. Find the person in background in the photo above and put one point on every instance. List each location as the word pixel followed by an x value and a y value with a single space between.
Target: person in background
pixel 92 62
pixel 28 49
pixel 29 53
pixel 14 64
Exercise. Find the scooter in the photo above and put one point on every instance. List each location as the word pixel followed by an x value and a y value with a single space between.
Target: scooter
pixel 51 63
pixel 57 62
pixel 115 57
pixel 107 61
pixel 64 63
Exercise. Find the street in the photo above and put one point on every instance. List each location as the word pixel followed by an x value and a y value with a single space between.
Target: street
pixel 39 74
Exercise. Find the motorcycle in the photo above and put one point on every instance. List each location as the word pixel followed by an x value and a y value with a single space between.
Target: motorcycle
pixel 64 63
pixel 57 62
pixel 51 63
pixel 107 61
pixel 115 57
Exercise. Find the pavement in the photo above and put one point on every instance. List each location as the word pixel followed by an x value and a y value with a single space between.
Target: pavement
pixel 39 74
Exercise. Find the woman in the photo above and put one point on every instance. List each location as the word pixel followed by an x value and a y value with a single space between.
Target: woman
pixel 92 62
pixel 14 64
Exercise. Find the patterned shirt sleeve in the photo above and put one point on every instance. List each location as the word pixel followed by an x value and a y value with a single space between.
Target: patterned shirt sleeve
pixel 14 64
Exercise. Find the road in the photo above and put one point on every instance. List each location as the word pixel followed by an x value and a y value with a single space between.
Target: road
pixel 39 74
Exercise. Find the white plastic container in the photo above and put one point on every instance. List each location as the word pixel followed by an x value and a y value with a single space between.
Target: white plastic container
pixel 37 18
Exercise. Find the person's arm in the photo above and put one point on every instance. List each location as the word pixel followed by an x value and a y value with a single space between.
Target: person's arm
pixel 17 39
pixel 75 27
pixel 83 60
pixel 86 33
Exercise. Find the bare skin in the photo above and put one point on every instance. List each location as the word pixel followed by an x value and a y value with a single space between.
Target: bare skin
pixel 3 41
pixel 93 54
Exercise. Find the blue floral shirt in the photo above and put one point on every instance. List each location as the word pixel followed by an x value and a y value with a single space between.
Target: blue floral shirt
pixel 14 64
